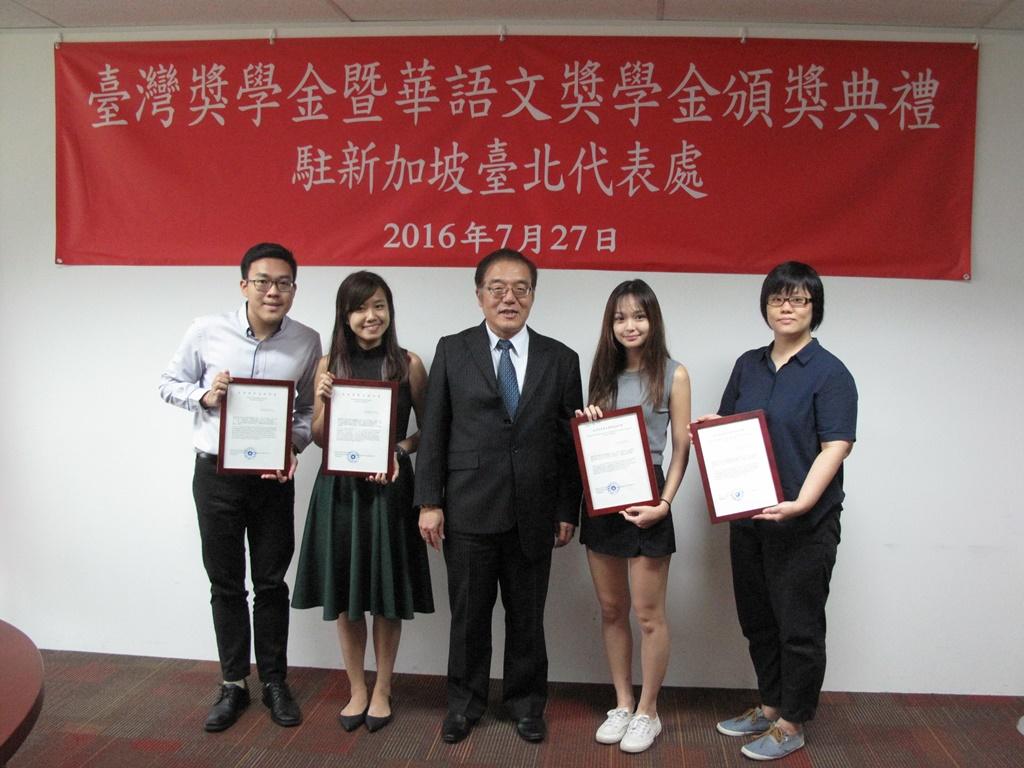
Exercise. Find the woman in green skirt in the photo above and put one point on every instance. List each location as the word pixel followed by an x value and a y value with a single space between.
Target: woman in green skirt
pixel 361 551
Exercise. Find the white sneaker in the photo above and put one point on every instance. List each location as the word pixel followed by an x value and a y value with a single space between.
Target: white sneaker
pixel 614 728
pixel 640 733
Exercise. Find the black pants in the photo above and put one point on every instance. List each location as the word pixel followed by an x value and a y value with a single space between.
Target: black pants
pixel 478 564
pixel 781 580
pixel 230 507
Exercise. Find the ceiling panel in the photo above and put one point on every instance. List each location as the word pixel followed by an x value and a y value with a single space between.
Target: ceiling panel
pixel 979 14
pixel 15 16
pixel 1011 17
pixel 116 13
pixel 921 13
pixel 451 10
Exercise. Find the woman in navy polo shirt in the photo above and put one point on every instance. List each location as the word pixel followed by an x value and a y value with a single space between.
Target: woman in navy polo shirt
pixel 782 558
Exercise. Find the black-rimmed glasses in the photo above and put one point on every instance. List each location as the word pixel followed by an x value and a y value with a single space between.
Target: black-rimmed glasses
pixel 794 301
pixel 262 284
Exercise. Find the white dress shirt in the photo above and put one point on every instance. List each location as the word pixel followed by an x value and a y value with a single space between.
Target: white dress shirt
pixel 225 342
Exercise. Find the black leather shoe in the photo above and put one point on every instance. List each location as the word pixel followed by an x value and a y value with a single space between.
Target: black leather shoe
pixel 233 699
pixel 374 724
pixel 531 728
pixel 351 722
pixel 283 709
pixel 456 727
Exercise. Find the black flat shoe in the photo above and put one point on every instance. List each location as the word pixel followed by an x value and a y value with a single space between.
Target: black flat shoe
pixel 374 724
pixel 531 729
pixel 231 702
pixel 351 722
pixel 456 727
pixel 283 709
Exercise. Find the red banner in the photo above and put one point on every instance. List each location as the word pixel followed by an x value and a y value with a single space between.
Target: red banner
pixel 652 154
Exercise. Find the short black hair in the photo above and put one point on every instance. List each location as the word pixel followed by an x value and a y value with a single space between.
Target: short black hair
pixel 791 276
pixel 268 251
pixel 503 254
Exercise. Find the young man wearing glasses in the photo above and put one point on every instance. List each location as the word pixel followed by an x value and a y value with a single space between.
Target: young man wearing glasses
pixel 260 341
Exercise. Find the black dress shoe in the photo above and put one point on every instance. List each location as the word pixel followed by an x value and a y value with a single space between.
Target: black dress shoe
pixel 283 709
pixel 229 705
pixel 351 722
pixel 531 728
pixel 456 727
pixel 374 724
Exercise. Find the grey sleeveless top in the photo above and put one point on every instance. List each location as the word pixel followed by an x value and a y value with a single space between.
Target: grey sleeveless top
pixel 632 391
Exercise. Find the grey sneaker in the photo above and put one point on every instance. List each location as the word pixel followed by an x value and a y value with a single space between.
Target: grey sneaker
pixel 614 728
pixel 750 723
pixel 773 745
pixel 640 734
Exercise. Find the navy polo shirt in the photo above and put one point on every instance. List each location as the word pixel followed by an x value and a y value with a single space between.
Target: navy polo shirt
pixel 810 400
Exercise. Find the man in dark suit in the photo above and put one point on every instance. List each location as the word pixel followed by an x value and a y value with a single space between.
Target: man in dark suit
pixel 496 480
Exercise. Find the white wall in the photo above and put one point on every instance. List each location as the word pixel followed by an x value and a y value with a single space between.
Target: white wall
pixel 98 543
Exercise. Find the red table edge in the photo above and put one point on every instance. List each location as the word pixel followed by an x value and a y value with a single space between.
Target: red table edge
pixel 12 741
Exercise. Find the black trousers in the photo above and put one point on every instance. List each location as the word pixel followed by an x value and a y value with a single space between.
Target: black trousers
pixel 781 581
pixel 478 565
pixel 231 508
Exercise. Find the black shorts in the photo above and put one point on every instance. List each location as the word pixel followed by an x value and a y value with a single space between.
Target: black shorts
pixel 614 535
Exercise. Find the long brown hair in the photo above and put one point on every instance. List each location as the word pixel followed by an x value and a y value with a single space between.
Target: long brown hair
pixel 610 357
pixel 353 291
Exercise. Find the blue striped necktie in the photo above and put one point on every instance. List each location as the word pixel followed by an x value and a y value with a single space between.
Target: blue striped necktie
pixel 507 382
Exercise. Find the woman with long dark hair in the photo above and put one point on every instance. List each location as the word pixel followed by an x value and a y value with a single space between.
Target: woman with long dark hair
pixel 629 553
pixel 782 558
pixel 361 550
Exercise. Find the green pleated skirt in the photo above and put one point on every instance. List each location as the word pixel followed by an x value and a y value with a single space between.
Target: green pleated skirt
pixel 361 550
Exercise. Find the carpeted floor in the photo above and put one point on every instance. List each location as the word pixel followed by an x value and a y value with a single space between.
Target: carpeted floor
pixel 129 712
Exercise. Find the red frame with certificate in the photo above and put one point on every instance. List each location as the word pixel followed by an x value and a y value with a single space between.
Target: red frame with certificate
pixel 651 481
pixel 257 468
pixel 325 463
pixel 737 494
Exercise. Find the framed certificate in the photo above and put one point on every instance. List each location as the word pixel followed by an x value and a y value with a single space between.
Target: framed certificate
pixel 256 427
pixel 737 465
pixel 360 423
pixel 615 461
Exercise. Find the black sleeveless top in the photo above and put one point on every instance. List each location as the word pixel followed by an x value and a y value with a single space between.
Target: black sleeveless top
pixel 368 364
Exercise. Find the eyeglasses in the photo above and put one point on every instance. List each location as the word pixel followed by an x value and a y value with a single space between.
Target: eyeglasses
pixel 283 284
pixel 794 301
pixel 498 290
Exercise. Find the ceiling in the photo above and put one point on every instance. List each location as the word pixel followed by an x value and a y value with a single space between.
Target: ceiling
pixel 64 14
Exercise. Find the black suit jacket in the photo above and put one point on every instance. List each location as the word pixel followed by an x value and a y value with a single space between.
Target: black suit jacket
pixel 488 472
